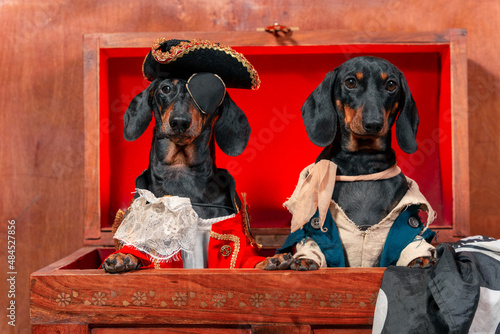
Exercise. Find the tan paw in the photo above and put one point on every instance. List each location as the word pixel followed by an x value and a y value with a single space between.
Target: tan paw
pixel 304 265
pixel 423 262
pixel 120 262
pixel 277 262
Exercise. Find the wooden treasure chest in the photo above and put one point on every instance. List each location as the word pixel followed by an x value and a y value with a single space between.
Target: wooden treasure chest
pixel 74 296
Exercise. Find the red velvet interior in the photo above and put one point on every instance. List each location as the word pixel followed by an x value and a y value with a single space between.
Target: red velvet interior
pixel 91 260
pixel 279 148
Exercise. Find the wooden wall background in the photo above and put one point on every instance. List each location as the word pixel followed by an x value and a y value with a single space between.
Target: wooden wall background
pixel 41 98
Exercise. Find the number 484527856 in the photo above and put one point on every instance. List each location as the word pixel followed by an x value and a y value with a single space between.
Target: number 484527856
pixel 11 244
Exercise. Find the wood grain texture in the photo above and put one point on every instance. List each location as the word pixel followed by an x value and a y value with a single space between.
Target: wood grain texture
pixel 41 154
pixel 258 329
pixel 222 297
pixel 173 330
pixel 281 329
pixel 460 127
pixel 91 138
pixel 60 329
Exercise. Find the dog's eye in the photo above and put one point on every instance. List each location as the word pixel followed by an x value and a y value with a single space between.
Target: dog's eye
pixel 391 85
pixel 166 89
pixel 350 83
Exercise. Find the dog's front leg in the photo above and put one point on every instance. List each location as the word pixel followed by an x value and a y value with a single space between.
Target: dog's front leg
pixel 308 256
pixel 287 261
pixel 120 262
pixel 423 262
pixel 304 265
pixel 277 262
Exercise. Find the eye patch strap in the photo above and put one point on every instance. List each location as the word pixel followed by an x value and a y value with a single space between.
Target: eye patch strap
pixel 207 90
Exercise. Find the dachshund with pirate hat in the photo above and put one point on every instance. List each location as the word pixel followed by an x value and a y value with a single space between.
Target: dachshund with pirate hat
pixel 186 211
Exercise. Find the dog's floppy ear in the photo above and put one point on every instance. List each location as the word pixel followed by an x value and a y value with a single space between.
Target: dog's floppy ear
pixel 407 122
pixel 231 129
pixel 318 112
pixel 139 113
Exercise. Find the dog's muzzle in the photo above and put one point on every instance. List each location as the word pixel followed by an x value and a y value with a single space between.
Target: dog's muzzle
pixel 180 123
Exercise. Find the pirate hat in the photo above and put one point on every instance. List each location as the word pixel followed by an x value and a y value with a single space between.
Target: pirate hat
pixel 182 58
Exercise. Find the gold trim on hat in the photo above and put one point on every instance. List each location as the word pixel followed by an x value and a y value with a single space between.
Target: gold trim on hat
pixel 183 48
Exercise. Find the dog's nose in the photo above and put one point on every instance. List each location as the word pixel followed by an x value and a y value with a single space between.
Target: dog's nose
pixel 373 127
pixel 179 124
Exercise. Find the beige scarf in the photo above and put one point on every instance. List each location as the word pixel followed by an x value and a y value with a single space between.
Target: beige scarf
pixel 315 188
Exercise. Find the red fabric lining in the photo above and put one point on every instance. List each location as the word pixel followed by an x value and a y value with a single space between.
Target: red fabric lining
pixel 279 149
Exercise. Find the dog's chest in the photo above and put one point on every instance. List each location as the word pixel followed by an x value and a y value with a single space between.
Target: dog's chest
pixel 208 198
pixel 368 202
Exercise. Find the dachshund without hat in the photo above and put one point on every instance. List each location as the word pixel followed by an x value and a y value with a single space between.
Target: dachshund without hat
pixel 353 206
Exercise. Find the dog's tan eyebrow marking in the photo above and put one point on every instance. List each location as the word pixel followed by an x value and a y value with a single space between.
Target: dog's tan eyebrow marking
pixel 395 107
pixel 339 105
pixel 175 81
pixel 359 75
pixel 383 75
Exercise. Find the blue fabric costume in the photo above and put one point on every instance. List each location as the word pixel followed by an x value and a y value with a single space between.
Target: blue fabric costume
pixel 405 229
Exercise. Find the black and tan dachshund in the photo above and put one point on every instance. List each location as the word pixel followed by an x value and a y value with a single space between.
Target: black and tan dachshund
pixel 182 156
pixel 351 114
pixel 368 95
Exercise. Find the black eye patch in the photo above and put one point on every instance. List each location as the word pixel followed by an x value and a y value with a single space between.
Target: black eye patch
pixel 207 90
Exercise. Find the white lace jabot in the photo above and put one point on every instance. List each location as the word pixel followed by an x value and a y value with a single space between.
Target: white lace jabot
pixel 161 227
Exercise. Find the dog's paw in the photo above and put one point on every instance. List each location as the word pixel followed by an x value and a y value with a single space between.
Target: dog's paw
pixel 304 265
pixel 119 263
pixel 277 262
pixel 423 262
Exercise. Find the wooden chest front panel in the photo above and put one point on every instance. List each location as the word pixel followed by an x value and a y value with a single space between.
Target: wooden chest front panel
pixel 326 298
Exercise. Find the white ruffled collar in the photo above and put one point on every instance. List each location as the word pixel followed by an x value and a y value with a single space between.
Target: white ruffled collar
pixel 161 227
